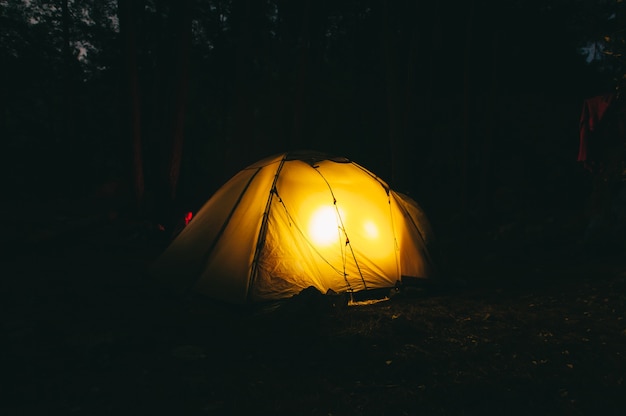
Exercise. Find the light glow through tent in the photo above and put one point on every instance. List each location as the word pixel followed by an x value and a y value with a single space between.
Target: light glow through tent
pixel 354 219
pixel 324 226
pixel 284 224
pixel 371 230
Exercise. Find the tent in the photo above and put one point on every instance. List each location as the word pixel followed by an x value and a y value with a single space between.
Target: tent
pixel 298 220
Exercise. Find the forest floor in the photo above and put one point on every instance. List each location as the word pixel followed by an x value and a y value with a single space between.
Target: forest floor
pixel 539 330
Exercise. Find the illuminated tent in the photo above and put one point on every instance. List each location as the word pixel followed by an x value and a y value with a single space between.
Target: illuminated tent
pixel 297 220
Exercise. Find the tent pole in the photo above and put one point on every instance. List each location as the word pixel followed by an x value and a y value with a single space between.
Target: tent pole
pixel 262 231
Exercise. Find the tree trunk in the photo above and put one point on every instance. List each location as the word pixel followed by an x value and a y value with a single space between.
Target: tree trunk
pixel 243 131
pixel 433 41
pixel 490 127
pixel 301 26
pixel 392 92
pixel 301 88
pixel 417 108
pixel 68 145
pixel 182 27
pixel 127 10
pixel 467 115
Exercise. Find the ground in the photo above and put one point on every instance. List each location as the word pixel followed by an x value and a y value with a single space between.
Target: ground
pixel 86 332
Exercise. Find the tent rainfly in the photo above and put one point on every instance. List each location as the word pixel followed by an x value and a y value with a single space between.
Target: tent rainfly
pixel 296 220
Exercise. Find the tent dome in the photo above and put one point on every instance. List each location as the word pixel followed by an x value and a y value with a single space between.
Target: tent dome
pixel 296 220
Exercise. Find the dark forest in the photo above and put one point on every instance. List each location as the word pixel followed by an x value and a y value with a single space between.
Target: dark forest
pixel 119 117
pixel 469 107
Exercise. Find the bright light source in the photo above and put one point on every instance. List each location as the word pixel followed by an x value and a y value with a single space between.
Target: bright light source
pixel 324 226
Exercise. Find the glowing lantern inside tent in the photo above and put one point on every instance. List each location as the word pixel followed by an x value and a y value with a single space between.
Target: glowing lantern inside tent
pixel 325 226
pixel 351 220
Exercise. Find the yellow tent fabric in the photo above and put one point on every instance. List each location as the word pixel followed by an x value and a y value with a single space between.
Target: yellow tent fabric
pixel 296 220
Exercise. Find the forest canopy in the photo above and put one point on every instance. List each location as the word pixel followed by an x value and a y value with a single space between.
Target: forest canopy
pixel 173 97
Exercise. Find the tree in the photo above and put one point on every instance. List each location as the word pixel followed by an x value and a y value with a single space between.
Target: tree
pixel 614 43
pixel 128 11
pixel 179 82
